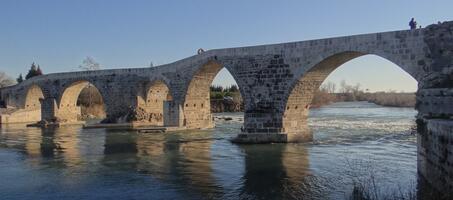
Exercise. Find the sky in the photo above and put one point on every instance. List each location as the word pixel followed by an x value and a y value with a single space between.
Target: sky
pixel 58 35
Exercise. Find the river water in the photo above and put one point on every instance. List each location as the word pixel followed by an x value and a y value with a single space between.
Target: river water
pixel 354 142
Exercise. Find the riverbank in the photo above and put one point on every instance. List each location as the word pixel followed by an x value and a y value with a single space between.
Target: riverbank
pixel 387 99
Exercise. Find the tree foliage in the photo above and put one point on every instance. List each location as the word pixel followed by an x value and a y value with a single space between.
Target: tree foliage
pixel 233 88
pixel 34 71
pixel 219 92
pixel 20 78
pixel 230 89
pixel 216 88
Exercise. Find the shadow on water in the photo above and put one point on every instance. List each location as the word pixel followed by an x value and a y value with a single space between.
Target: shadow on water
pixel 277 171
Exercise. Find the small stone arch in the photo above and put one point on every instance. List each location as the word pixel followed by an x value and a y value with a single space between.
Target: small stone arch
pixel 158 89
pixel 33 96
pixel 68 110
pixel 155 104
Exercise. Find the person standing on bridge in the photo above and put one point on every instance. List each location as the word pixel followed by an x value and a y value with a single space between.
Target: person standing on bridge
pixel 413 24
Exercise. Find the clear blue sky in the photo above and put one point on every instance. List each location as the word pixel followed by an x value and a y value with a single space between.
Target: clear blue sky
pixel 58 35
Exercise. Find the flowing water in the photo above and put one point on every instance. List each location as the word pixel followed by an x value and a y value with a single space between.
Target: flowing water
pixel 353 142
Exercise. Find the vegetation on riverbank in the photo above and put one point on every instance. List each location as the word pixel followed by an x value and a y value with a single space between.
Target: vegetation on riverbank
pixel 389 99
pixel 226 99
pixel 326 94
pixel 366 186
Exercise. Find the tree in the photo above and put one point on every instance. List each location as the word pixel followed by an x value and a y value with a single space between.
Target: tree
pixel 5 80
pixel 90 64
pixel 329 87
pixel 234 88
pixel 33 71
pixel 20 79
pixel 38 71
pixel 343 87
pixel 216 88
pixel 356 88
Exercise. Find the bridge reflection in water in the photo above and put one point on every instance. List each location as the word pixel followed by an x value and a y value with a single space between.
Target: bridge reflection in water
pixel 195 165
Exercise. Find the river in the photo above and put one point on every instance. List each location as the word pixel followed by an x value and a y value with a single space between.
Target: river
pixel 354 142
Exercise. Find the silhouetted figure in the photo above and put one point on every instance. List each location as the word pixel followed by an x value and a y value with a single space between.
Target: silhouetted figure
pixel 413 24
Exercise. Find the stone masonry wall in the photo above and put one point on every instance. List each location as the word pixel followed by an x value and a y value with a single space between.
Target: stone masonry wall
pixel 435 153
pixel 151 109
pixel 435 107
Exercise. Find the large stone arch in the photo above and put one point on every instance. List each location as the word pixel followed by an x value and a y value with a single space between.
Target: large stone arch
pixel 197 105
pixel 301 92
pixel 67 109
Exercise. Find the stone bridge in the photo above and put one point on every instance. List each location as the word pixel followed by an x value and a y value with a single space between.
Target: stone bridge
pixel 276 81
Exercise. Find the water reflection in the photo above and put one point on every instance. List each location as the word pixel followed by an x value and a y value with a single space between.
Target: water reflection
pixel 276 172
pixel 166 157
pixel 200 164
pixel 269 171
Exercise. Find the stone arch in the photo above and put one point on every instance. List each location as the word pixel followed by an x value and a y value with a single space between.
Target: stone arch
pixel 197 105
pixel 300 95
pixel 154 104
pixel 158 90
pixel 32 98
pixel 29 106
pixel 68 110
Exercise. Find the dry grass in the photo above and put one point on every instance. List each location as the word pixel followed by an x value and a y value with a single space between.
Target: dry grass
pixel 365 187
pixel 391 99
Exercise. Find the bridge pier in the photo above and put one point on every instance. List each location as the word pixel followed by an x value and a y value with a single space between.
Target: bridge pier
pixel 435 137
pixel 435 111
pixel 435 146
pixel 48 110
pixel 51 114
pixel 266 128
